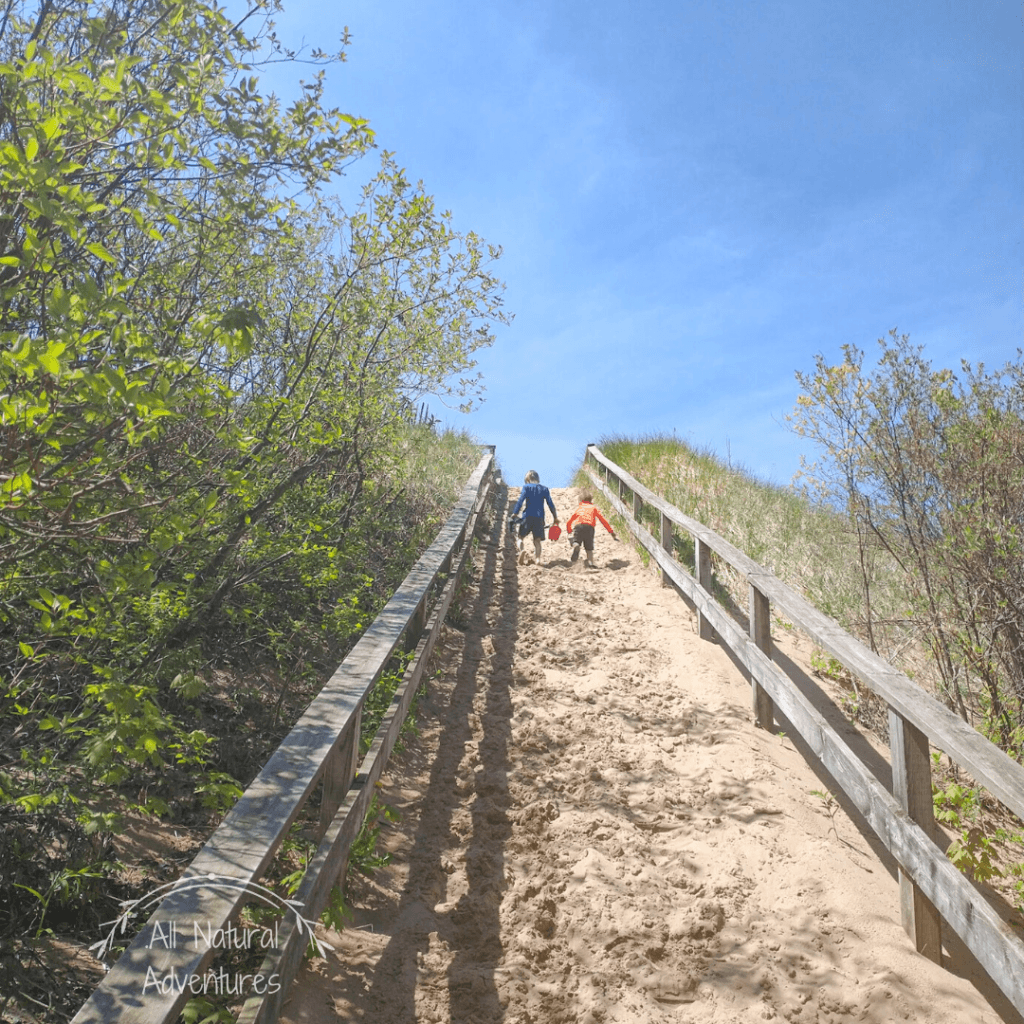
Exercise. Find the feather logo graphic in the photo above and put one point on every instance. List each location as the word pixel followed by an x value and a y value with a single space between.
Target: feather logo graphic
pixel 223 938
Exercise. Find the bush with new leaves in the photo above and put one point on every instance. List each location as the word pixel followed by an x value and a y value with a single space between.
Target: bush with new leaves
pixel 204 370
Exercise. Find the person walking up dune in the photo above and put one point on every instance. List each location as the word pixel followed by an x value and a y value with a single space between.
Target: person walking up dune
pixel 534 494
pixel 580 527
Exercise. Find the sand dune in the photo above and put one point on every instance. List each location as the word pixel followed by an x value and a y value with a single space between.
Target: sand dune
pixel 593 830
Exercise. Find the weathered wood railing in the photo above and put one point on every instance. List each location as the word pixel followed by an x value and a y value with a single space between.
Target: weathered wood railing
pixel 932 890
pixel 149 983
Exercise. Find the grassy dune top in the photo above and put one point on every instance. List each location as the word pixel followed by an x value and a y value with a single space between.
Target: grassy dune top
pixel 810 547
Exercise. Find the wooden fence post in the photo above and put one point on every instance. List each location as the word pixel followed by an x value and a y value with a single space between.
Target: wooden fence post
pixel 416 625
pixel 912 787
pixel 702 563
pixel 666 543
pixel 761 634
pixel 638 506
pixel 339 771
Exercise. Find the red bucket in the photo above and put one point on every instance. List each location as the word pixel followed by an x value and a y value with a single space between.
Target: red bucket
pixel 554 531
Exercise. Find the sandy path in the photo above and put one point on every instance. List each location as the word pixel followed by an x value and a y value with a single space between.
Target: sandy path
pixel 593 831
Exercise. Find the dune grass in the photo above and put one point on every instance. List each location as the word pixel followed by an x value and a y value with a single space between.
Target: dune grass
pixel 811 548
pixel 436 466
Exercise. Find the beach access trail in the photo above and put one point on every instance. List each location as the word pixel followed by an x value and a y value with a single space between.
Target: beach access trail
pixel 592 830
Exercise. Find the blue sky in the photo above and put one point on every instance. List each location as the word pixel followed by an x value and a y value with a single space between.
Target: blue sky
pixel 694 198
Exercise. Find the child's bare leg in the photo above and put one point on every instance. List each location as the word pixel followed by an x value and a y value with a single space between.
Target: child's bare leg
pixel 536 549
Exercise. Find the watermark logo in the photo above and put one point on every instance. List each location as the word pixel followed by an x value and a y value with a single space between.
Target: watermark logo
pixel 200 936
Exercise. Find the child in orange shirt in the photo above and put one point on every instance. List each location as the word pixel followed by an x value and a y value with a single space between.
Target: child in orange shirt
pixel 584 518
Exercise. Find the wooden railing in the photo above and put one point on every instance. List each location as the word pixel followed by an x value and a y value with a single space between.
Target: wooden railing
pixel 150 982
pixel 933 893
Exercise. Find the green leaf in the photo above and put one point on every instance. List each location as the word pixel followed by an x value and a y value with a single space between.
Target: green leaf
pixel 158 807
pixel 101 252
pixel 49 360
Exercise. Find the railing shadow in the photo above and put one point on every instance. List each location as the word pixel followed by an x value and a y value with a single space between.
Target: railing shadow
pixel 476 925
pixel 471 928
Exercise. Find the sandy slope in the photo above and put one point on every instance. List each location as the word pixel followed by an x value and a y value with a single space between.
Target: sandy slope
pixel 593 831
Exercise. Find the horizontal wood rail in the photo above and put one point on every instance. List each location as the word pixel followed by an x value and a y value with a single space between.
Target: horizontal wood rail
pixel 323 745
pixel 932 890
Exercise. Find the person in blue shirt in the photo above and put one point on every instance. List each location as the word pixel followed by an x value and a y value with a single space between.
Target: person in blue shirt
pixel 534 494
